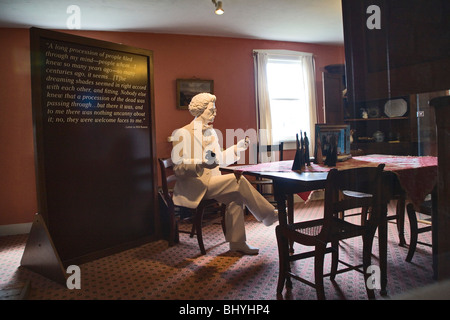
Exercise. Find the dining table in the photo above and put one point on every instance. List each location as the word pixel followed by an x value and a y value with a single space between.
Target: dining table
pixel 406 179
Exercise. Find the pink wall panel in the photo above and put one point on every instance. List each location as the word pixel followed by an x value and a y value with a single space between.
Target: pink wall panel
pixel 227 61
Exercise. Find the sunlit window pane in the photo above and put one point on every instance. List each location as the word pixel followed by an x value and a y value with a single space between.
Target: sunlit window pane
pixel 288 118
pixel 289 110
pixel 284 79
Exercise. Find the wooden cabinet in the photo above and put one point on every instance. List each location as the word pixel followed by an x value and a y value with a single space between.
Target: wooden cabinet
pixel 406 56
pixel 368 117
pixel 373 131
pixel 333 93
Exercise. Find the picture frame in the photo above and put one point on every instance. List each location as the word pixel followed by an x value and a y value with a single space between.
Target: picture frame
pixel 323 133
pixel 188 88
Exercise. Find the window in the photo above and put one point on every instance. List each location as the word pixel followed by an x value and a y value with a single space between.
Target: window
pixel 285 96
pixel 288 104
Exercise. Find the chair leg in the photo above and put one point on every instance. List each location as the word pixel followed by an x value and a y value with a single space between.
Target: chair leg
pixel 173 232
pixel 318 271
pixel 413 233
pixel 223 209
pixel 367 257
pixel 334 259
pixel 193 230
pixel 400 219
pixel 198 228
pixel 192 233
pixel 364 212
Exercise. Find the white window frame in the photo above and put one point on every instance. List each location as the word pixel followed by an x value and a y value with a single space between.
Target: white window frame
pixel 262 95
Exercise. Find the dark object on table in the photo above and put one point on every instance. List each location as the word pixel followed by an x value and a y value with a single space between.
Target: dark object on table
pixel 331 156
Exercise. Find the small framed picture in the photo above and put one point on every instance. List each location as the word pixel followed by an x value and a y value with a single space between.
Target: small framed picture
pixel 339 134
pixel 188 88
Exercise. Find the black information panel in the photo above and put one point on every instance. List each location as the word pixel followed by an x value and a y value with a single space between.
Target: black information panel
pixel 95 142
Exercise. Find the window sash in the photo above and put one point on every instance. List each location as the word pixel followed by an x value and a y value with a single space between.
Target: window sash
pixel 263 109
pixel 288 100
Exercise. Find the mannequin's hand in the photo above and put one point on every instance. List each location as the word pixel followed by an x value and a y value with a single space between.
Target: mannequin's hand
pixel 242 145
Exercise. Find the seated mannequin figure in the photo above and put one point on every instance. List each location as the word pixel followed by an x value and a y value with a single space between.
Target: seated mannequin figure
pixel 196 155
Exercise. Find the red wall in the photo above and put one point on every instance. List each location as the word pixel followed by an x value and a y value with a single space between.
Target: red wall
pixel 227 61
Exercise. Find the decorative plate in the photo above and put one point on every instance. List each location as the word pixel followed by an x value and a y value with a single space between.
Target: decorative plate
pixel 395 108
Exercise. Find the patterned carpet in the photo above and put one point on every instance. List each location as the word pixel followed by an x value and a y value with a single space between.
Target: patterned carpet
pixel 155 271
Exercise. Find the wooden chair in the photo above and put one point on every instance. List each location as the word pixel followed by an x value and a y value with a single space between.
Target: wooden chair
pixel 415 230
pixel 262 184
pixel 176 213
pixel 399 215
pixel 364 212
pixel 331 229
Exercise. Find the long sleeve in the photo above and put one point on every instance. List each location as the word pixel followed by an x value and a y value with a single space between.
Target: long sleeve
pixel 229 156
pixel 225 157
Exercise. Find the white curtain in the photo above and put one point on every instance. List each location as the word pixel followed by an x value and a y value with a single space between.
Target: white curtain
pixel 310 82
pixel 261 58
pixel 263 116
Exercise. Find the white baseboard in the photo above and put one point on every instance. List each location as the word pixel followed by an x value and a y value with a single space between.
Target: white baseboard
pixel 12 229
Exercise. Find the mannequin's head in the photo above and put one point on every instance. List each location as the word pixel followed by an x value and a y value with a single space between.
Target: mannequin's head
pixel 203 108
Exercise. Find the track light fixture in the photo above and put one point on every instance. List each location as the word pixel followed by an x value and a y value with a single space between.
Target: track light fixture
pixel 219 10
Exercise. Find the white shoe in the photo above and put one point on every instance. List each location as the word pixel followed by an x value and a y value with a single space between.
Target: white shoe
pixel 271 219
pixel 243 247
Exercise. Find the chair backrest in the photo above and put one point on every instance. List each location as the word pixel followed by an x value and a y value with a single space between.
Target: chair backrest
pixel 267 150
pixel 168 178
pixel 367 180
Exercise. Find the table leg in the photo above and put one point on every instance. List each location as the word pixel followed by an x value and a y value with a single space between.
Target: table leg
pixel 284 217
pixel 280 198
pixel 290 217
pixel 290 208
pixel 382 243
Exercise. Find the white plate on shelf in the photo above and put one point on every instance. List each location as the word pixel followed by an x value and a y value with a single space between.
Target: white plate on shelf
pixel 395 108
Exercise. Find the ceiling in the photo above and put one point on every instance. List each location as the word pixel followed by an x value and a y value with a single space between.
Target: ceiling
pixel 311 21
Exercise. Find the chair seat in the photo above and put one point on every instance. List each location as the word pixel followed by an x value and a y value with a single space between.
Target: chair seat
pixel 184 212
pixel 176 213
pixel 426 207
pixel 341 229
pixel 207 202
pixel 355 194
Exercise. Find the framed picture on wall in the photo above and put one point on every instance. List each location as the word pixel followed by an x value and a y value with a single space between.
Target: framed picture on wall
pixel 188 88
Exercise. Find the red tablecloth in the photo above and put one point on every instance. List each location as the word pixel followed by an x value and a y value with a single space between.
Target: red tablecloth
pixel 417 175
